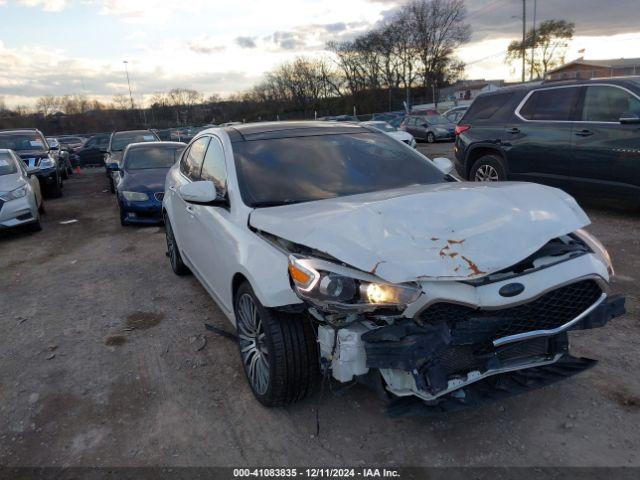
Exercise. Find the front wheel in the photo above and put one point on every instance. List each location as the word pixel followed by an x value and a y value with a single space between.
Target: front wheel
pixel 488 168
pixel 177 265
pixel 278 350
pixel 431 138
pixel 55 190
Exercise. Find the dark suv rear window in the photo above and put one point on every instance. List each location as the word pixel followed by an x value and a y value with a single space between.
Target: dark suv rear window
pixel 555 104
pixel 485 106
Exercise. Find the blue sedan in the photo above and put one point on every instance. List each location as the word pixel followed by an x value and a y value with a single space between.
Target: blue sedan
pixel 140 180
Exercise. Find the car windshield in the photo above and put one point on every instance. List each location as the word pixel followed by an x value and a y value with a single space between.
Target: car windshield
pixel 71 139
pixel 298 169
pixel 7 164
pixel 383 126
pixel 436 120
pixel 143 158
pixel 22 141
pixel 121 140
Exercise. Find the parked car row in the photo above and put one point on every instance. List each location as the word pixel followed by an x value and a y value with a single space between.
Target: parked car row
pixel 21 202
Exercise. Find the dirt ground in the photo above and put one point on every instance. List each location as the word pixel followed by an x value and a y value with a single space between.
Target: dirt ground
pixel 104 360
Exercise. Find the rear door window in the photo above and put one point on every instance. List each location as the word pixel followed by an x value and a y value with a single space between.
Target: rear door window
pixel 608 104
pixel 485 107
pixel 552 104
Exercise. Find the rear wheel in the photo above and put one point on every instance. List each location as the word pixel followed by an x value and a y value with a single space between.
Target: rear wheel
pixel 279 351
pixel 431 138
pixel 488 168
pixel 177 265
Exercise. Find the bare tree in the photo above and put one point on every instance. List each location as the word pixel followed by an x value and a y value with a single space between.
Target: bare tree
pixel 48 105
pixel 549 42
pixel 120 102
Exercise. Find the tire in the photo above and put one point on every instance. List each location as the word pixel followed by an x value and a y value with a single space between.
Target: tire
pixel 65 173
pixel 41 209
pixel 35 226
pixel 123 217
pixel 55 190
pixel 173 252
pixel 431 138
pixel 112 187
pixel 278 351
pixel 488 168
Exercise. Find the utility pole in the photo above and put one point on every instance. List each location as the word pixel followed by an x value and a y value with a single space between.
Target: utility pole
pixel 533 39
pixel 126 69
pixel 524 34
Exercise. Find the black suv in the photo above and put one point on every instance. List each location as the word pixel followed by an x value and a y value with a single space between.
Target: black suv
pixel 579 135
pixel 32 147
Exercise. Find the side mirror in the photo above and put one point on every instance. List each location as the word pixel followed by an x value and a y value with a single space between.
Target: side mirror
pixel 629 118
pixel 201 192
pixel 443 164
pixel 112 167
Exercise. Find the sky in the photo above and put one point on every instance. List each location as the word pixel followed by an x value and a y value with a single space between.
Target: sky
pixel 59 47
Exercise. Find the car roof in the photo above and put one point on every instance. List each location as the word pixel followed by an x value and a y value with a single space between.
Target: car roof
pixel 271 130
pixel 155 144
pixel 132 131
pixel 19 130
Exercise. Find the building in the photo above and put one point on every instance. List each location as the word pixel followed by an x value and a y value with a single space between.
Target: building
pixel 585 69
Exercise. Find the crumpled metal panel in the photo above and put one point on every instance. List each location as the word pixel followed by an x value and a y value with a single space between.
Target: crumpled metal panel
pixel 429 232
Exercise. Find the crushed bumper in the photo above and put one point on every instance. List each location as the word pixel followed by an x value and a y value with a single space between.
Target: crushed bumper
pixel 494 388
pixel 433 360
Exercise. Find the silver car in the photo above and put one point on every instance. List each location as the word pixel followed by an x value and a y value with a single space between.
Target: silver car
pixel 20 196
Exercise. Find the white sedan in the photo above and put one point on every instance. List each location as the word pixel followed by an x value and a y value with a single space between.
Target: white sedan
pixel 333 248
pixel 20 196
pixel 393 132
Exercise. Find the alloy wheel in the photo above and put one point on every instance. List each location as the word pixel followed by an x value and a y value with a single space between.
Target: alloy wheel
pixel 253 347
pixel 486 173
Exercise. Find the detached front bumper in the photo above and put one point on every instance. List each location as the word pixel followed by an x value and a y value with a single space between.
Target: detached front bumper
pixel 436 362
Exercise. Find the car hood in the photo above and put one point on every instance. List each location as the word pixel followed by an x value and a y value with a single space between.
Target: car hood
pixel 10 182
pixel 429 232
pixel 149 180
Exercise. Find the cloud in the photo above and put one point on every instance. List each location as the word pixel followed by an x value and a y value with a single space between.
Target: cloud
pixel 205 45
pixel 46 5
pixel 246 42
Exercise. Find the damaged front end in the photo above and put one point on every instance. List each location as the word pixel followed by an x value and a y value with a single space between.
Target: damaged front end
pixel 446 345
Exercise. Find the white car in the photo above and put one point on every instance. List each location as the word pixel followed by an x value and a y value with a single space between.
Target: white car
pixel 20 197
pixel 333 248
pixel 393 132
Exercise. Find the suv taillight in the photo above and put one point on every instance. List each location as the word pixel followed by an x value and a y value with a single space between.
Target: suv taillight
pixel 462 128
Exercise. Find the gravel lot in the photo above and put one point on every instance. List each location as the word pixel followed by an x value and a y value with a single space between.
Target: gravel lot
pixel 103 361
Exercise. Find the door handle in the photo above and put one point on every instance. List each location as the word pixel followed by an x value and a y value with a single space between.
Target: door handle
pixel 584 133
pixel 513 130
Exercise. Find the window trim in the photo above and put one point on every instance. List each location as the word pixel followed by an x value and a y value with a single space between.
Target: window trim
pixel 186 152
pixel 580 103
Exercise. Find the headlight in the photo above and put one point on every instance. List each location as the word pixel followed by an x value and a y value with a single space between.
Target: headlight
pixel 597 248
pixel 331 290
pixel 135 196
pixel 47 162
pixel 14 194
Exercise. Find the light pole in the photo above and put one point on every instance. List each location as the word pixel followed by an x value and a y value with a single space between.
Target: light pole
pixel 524 33
pixel 126 69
